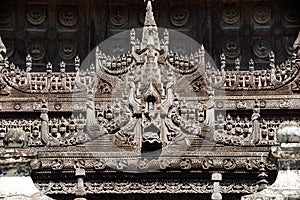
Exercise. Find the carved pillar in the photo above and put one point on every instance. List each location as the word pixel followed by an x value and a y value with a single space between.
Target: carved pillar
pixel 15 168
pixel 262 183
pixel 217 178
pixel 287 157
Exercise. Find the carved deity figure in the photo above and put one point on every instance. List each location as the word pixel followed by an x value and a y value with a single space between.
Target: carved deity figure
pixel 255 123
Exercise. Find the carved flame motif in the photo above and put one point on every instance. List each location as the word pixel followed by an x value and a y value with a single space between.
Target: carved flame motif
pixel 150 116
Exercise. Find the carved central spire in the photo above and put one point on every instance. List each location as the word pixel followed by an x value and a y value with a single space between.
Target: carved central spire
pixel 149 18
pixel 150 30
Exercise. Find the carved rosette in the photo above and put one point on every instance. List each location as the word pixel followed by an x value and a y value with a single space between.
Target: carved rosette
pixel 68 16
pixel 36 50
pixel 231 15
pixel 6 15
pixel 232 48
pixel 118 15
pixel 261 48
pixel 67 50
pixel 36 15
pixel 262 14
pixel 179 16
pixel 291 15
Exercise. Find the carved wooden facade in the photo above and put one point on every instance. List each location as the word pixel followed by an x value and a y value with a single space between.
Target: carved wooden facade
pixel 215 140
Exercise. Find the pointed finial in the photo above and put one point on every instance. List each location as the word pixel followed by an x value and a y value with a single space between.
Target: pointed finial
pixel 149 18
pixel 251 65
pixel 49 68
pixel 77 63
pixel 223 60
pixel 62 67
pixel 28 63
pixel 237 64
pixel 2 47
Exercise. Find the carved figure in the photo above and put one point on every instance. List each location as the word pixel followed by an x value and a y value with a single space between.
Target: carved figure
pixel 255 123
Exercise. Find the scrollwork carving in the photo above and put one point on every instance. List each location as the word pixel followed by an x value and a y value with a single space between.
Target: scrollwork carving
pixel 57 165
pixel 229 164
pixel 185 164
pixel 99 165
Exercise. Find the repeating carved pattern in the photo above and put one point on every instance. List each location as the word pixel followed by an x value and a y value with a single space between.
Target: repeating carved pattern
pixel 179 16
pixel 68 16
pixel 291 15
pixel 36 50
pixel 128 187
pixel 262 14
pixel 253 79
pixel 67 50
pixel 231 15
pixel 6 15
pixel 232 48
pixel 36 15
pixel 65 142
pixel 261 48
pixel 118 15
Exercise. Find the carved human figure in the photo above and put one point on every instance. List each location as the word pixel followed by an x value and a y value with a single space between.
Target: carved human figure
pixel 255 123
pixel 92 125
pixel 210 111
pixel 44 126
